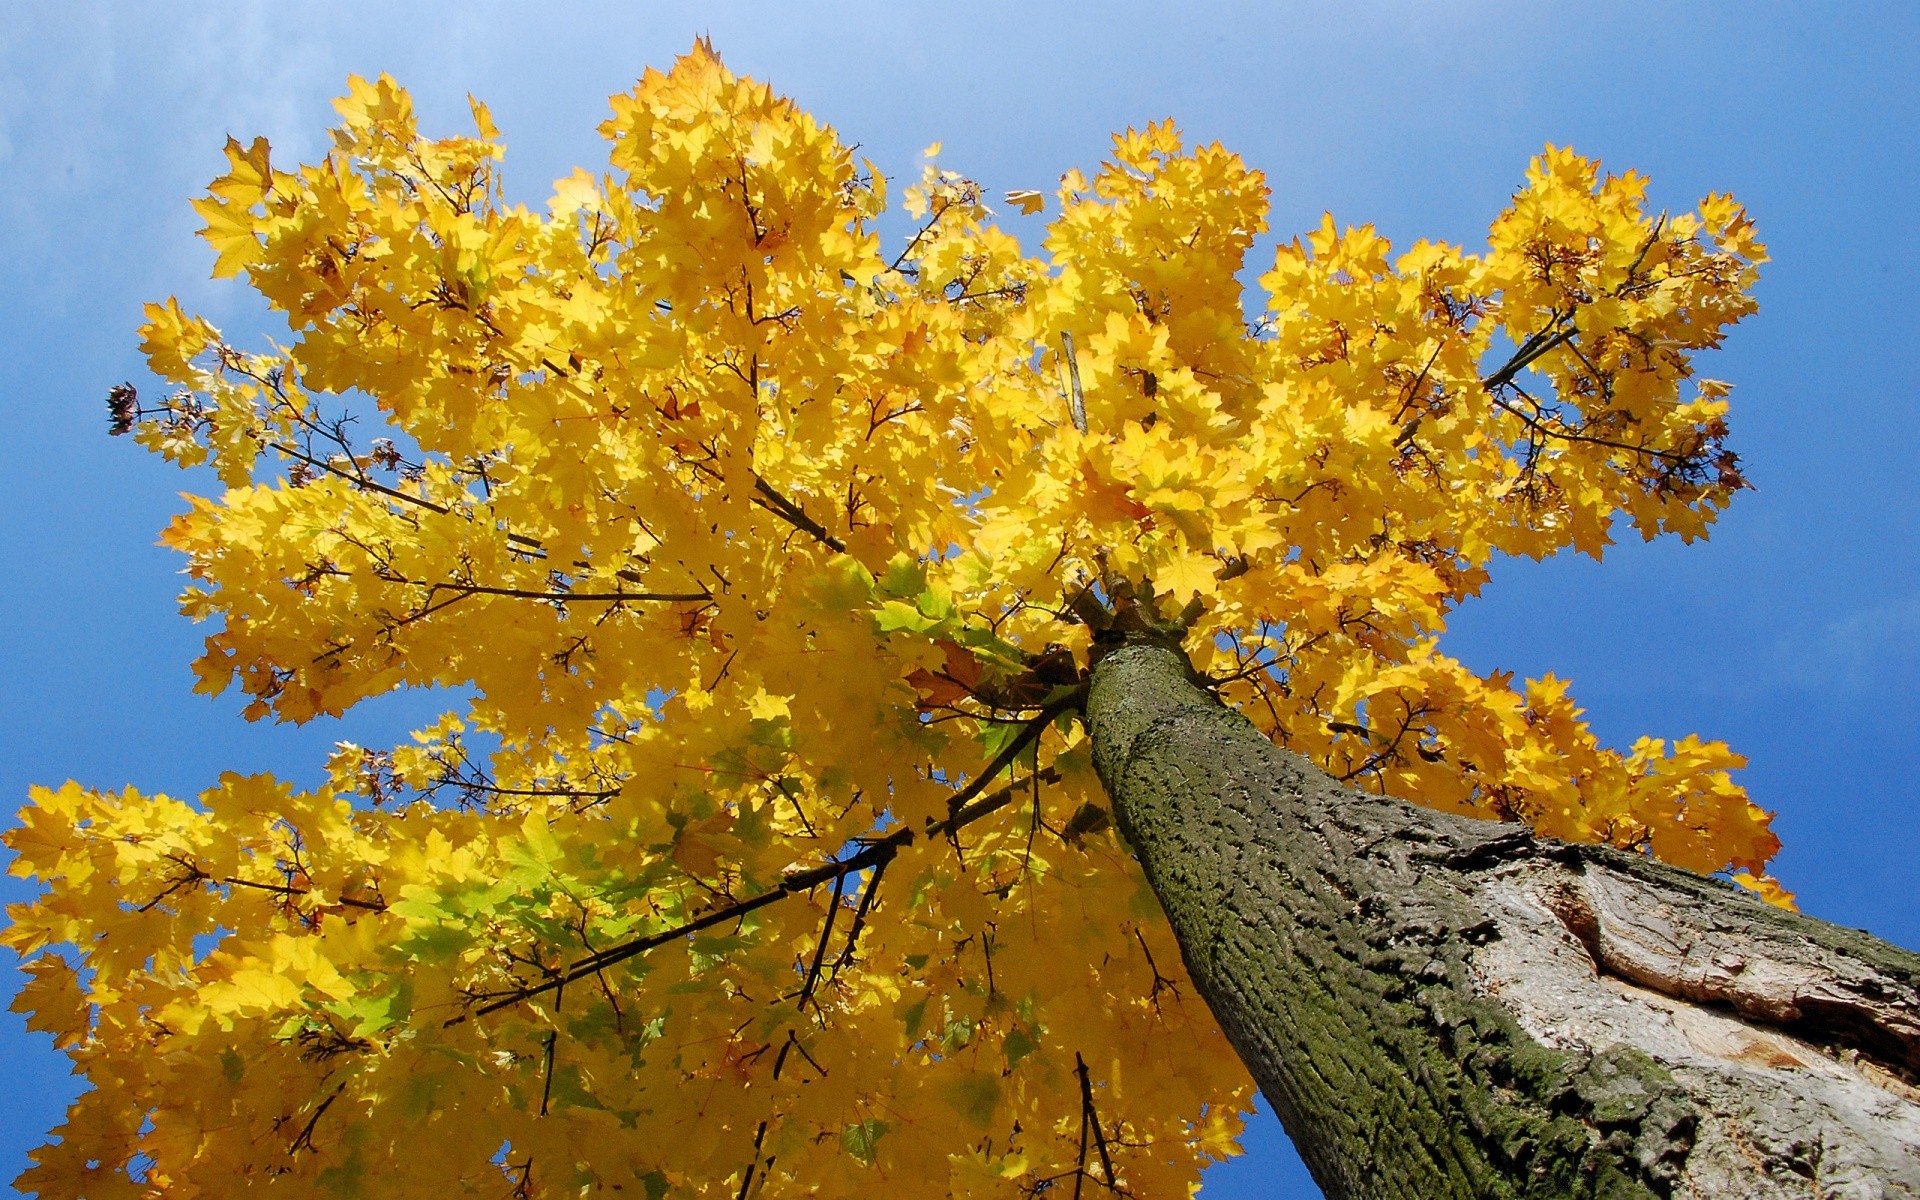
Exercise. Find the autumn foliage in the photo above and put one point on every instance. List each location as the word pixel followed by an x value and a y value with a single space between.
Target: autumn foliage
pixel 762 564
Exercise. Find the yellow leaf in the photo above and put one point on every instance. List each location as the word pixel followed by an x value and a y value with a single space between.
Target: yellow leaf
pixel 1767 888
pixel 251 991
pixel 1188 575
pixel 1027 202
pixel 572 194
pixel 765 706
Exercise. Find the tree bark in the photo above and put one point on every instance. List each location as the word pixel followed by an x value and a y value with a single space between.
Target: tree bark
pixel 1437 1006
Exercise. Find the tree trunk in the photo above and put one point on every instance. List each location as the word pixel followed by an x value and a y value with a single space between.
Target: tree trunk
pixel 1438 1006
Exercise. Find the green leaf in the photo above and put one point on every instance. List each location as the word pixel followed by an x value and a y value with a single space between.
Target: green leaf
pixel 996 736
pixel 539 843
pixel 906 576
pixel 913 1015
pixel 936 601
pixel 418 1093
pixel 974 1096
pixel 896 615
pixel 859 1139
pixel 1018 1044
pixel 754 826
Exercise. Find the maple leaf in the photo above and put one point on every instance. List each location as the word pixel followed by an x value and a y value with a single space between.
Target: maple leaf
pixel 1029 203
pixel 958 679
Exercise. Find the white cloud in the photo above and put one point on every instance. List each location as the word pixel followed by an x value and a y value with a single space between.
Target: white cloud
pixel 1866 649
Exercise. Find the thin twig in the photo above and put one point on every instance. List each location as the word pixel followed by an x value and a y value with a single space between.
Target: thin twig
pixel 1090 1116
pixel 859 918
pixel 820 947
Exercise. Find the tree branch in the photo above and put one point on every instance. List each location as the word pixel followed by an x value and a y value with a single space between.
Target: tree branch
pixel 1529 351
pixel 966 807
pixel 794 515
pixel 558 597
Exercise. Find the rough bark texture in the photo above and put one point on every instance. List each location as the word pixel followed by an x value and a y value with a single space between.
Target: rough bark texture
pixel 1438 1006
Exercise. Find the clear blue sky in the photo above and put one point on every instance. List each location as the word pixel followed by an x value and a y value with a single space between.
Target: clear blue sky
pixel 1794 634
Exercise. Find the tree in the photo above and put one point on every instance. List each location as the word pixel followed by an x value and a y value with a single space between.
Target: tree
pixel 767 849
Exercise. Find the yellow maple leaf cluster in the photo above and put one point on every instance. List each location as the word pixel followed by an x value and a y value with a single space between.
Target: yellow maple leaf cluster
pixel 767 856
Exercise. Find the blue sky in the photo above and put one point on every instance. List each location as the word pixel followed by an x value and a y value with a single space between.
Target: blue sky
pixel 1794 633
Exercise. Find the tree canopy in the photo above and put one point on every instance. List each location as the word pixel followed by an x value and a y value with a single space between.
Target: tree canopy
pixel 762 566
